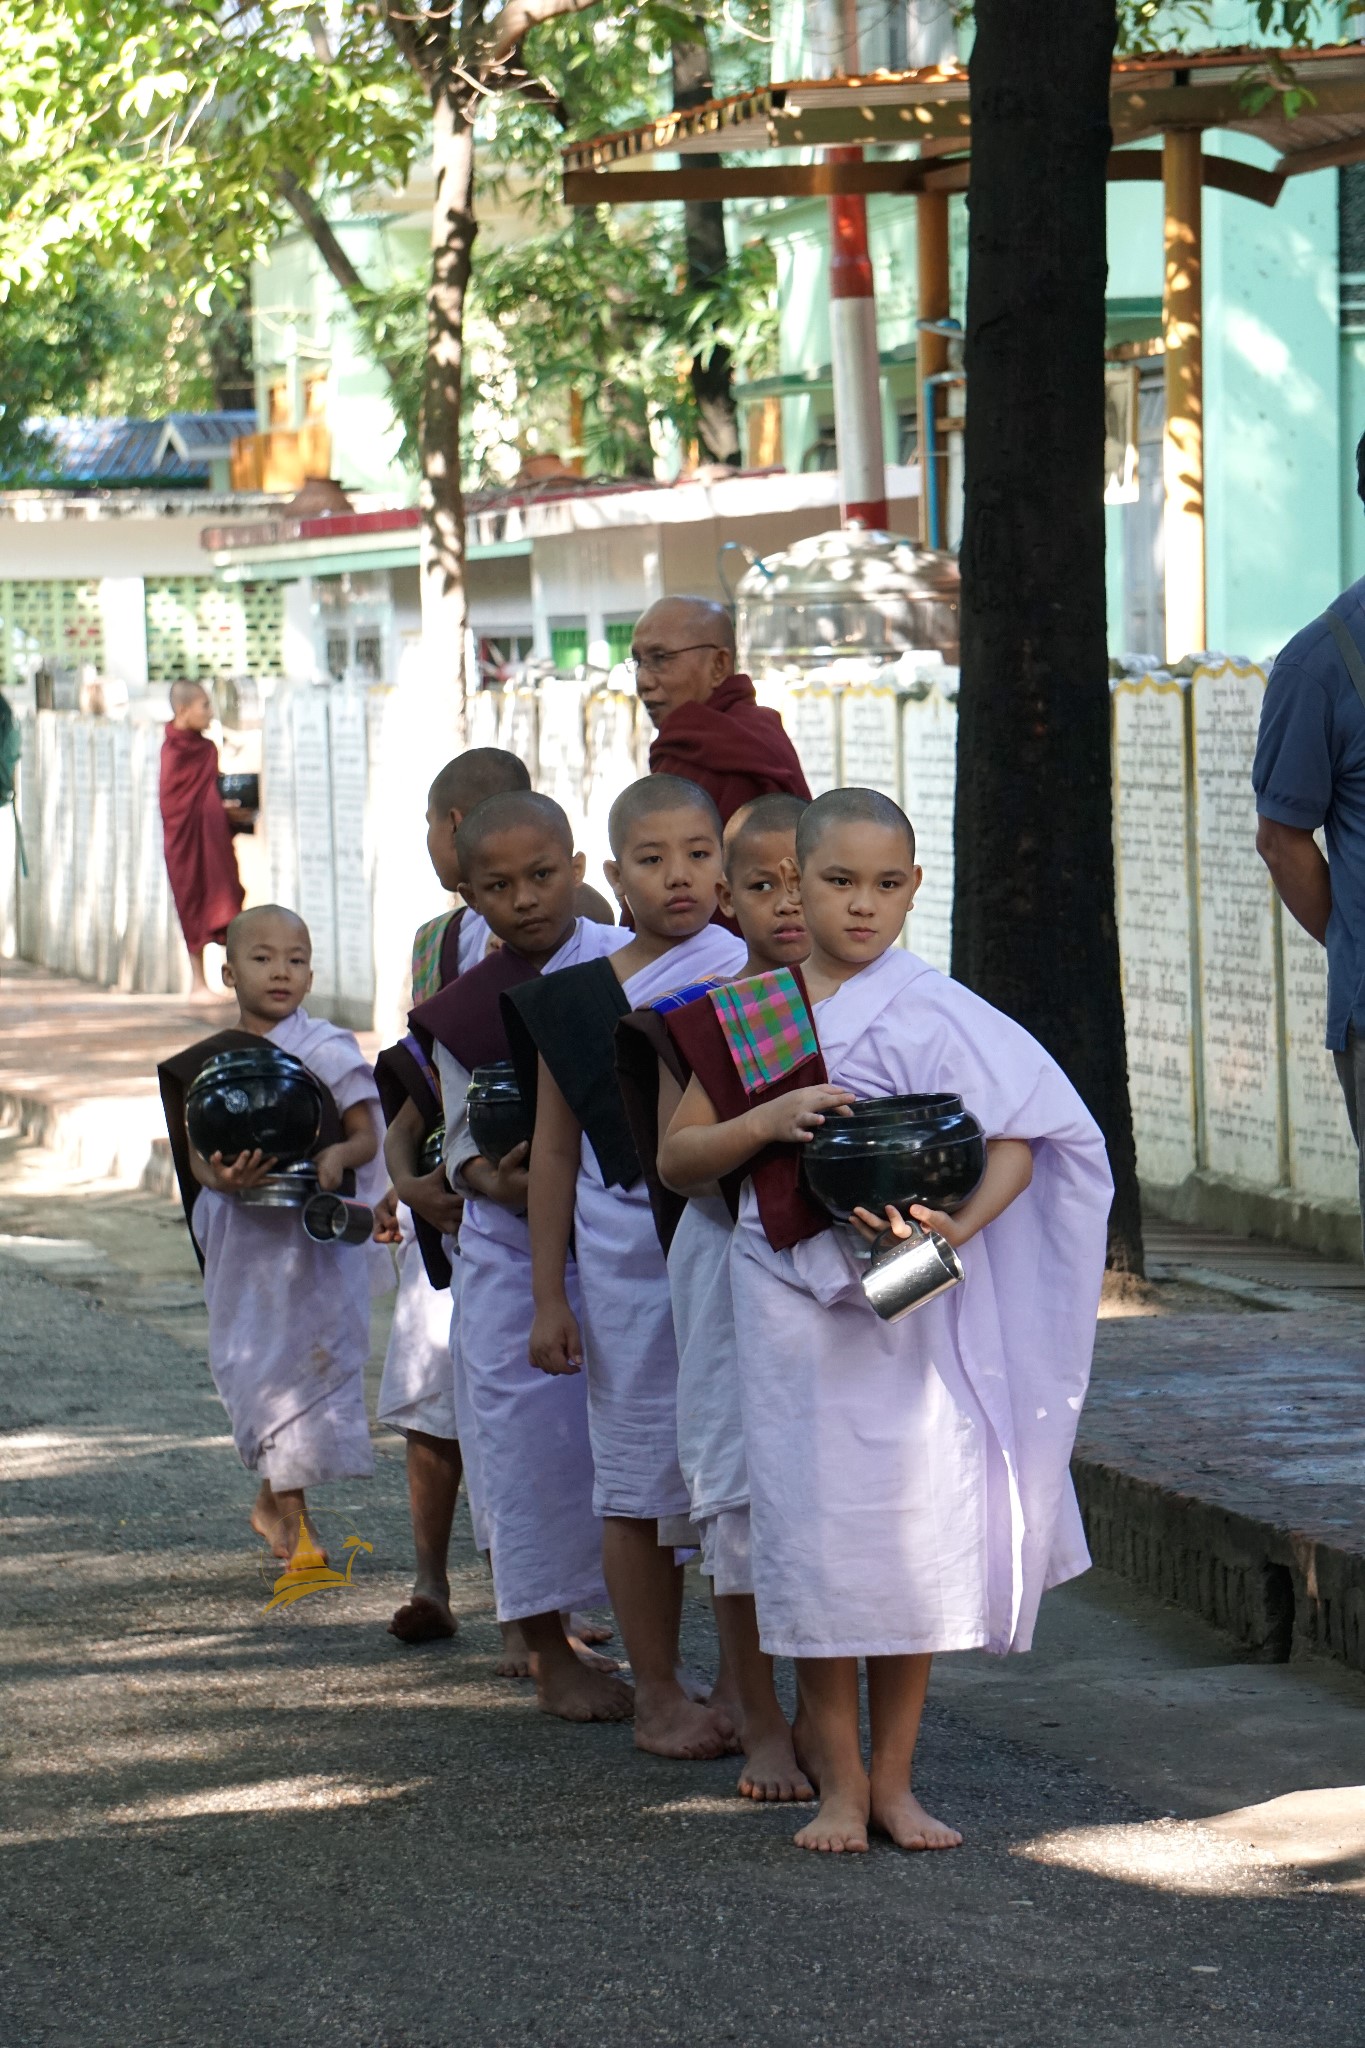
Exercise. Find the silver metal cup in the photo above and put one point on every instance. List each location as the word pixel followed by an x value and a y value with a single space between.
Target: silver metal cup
pixel 905 1272
pixel 331 1219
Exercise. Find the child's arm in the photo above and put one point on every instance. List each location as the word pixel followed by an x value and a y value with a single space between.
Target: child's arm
pixel 698 1149
pixel 506 1183
pixel 358 1146
pixel 556 1150
pixel 1009 1169
pixel 230 1177
pixel 426 1194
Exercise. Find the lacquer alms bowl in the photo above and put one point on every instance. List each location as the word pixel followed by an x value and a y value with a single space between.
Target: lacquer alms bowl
pixel 255 1098
pixel 894 1151
pixel 497 1115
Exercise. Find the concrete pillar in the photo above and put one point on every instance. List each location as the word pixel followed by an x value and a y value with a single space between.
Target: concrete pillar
pixel 854 357
pixel 1183 453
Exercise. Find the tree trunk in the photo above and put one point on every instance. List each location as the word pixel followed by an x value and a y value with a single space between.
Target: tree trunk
pixel 1034 922
pixel 707 259
pixel 445 606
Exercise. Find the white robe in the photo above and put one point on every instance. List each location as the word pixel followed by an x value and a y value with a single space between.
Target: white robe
pixel 289 1320
pixel 910 1484
pixel 629 1349
pixel 710 1419
pixel 530 1428
pixel 417 1390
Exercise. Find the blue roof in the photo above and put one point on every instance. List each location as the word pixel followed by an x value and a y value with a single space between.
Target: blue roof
pixel 110 452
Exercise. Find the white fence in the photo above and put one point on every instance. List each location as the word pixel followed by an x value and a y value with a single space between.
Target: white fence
pixel 1224 996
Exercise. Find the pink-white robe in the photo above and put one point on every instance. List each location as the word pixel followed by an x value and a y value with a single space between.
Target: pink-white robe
pixel 629 1349
pixel 909 1482
pixel 417 1390
pixel 289 1320
pixel 530 1428
pixel 710 1420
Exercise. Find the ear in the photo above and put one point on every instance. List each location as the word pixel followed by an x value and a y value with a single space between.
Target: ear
pixel 791 874
pixel 579 865
pixel 918 876
pixel 612 870
pixel 309 986
pixel 456 820
pixel 229 975
pixel 468 895
pixel 725 897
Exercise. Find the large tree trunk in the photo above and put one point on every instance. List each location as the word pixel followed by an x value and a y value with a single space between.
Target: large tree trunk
pixel 1034 924
pixel 445 607
pixel 707 257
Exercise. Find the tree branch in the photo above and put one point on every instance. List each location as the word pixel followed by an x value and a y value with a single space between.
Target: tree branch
pixel 518 18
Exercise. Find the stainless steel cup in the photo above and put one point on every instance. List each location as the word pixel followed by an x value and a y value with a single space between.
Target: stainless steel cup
pixel 905 1272
pixel 331 1219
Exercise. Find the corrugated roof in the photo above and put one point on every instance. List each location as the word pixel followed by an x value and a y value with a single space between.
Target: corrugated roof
pixel 111 452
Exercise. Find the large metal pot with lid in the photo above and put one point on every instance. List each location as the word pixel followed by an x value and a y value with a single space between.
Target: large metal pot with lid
pixel 849 597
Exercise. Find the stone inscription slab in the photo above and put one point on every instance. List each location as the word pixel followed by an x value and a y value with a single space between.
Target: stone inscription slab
pixel 104 846
pixel 929 780
pixel 350 857
pixel 560 748
pixel 316 899
pixel 277 798
pixel 1322 1154
pixel 1152 873
pixel 811 717
pixel 1237 948
pixel 518 726
pixel 83 878
pixel 869 721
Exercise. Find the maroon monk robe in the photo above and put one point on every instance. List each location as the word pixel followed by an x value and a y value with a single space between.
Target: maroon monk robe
pixel 199 857
pixel 732 746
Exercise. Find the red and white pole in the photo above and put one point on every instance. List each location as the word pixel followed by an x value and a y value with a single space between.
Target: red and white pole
pixel 853 328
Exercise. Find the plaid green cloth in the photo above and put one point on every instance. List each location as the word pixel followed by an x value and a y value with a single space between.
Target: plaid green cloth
pixel 767 1027
pixel 426 957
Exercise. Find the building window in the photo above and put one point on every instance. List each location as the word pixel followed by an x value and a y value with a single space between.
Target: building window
pixel 337 652
pixel 502 657
pixel 619 633
pixel 823 452
pixel 569 646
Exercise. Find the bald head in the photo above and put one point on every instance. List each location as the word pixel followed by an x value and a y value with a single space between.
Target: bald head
pixel 514 810
pixel 262 918
pixel 472 777
pixel 759 819
pixel 850 807
pixel 183 693
pixel 683 649
pixel 649 798
pixel 191 706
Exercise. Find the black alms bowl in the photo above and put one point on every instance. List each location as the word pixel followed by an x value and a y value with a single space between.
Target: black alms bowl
pixel 256 1097
pixel 895 1151
pixel 497 1115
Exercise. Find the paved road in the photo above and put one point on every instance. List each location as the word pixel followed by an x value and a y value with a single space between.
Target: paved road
pixel 227 1827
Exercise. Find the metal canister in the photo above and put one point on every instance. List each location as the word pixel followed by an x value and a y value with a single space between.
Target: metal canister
pixel 331 1219
pixel 905 1272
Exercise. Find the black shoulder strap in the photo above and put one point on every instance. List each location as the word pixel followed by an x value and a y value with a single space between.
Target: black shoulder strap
pixel 569 1020
pixel 1350 653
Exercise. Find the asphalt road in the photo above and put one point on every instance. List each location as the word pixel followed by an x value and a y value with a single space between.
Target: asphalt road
pixel 225 1828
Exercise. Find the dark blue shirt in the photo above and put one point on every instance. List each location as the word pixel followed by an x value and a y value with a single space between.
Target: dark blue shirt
pixel 1309 771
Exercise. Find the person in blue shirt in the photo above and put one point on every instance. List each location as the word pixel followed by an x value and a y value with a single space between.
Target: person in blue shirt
pixel 1309 773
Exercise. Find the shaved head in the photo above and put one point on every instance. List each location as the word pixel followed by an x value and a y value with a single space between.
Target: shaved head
pixel 247 921
pixel 183 693
pixel 849 807
pixel 775 812
pixel 678 619
pixel 651 795
pixel 474 776
pixel 507 813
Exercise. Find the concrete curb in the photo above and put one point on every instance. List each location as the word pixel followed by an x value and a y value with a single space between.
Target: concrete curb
pixel 119 1139
pixel 1276 1591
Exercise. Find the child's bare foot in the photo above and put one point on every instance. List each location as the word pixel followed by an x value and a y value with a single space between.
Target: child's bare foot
pixel 667 1723
pixel 575 1692
pixel 899 1814
pixel 424 1617
pixel 771 1770
pixel 586 1630
pixel 515 1661
pixel 840 1827
pixel 268 1522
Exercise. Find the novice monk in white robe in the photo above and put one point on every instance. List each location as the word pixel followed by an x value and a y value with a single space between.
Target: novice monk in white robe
pixel 289 1320
pixel 521 872
pixel 422 1391
pixel 909 1482
pixel 585 1181
pixel 755 894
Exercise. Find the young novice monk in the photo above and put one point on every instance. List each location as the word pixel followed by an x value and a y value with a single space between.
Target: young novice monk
pixel 758 893
pixel 909 1482
pixel 418 1395
pixel 289 1320
pixel 520 872
pixel 585 1182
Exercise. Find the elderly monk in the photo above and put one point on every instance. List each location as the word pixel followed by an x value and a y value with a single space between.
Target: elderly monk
pixel 196 831
pixel 712 730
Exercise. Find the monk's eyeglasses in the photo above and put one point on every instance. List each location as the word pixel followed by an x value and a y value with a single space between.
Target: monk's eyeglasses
pixel 659 657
